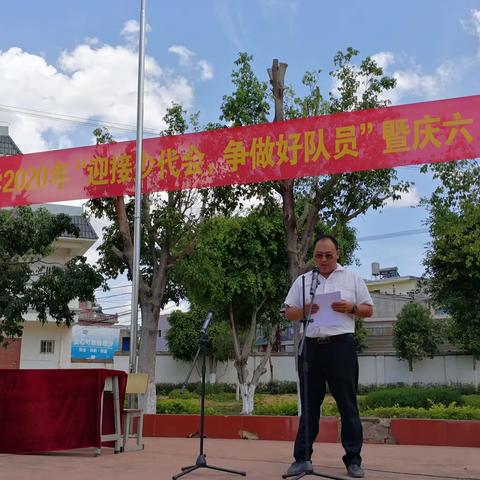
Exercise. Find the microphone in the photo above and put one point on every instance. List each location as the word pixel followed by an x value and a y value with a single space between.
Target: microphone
pixel 315 281
pixel 207 321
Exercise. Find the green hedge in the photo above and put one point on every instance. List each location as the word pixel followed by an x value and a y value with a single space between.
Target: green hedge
pixel 282 409
pixel 210 388
pixel 182 407
pixel 412 397
pixel 436 411
pixel 277 388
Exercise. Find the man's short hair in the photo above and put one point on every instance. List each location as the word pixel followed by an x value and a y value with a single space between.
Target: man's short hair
pixel 326 236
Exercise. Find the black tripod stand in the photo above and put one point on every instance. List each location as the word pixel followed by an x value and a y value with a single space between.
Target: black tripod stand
pixel 302 353
pixel 202 458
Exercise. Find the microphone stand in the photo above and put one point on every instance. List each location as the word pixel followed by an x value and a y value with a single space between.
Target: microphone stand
pixel 302 353
pixel 201 461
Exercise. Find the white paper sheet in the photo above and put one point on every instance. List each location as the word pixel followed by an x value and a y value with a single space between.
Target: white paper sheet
pixel 326 317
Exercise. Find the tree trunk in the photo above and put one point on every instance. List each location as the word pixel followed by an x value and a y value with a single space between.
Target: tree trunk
pixel 247 392
pixel 248 387
pixel 212 371
pixel 147 354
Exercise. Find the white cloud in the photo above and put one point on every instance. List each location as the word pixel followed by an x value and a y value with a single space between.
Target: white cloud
pixel 412 81
pixel 407 199
pixel 426 85
pixel 186 59
pixel 92 82
pixel 130 31
pixel 475 23
pixel 384 59
pixel 206 70
pixel 185 55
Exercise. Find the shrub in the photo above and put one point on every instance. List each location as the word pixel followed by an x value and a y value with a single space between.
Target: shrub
pixel 412 397
pixel 178 394
pixel 182 407
pixel 166 388
pixel 214 388
pixel 281 408
pixel 277 388
pixel 436 411
pixel 210 388
pixel 472 401
pixel 364 389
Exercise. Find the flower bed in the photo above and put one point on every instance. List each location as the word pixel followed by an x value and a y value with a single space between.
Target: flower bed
pixel 401 431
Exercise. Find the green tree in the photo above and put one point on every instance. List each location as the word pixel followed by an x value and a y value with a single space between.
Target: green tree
pixel 26 236
pixel 360 335
pixel 453 258
pixel 169 223
pixel 332 200
pixel 416 335
pixel 238 268
pixel 184 334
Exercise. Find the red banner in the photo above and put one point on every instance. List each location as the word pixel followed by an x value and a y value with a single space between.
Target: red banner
pixel 428 132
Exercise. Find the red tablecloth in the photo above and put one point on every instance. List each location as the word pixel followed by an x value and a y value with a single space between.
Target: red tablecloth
pixel 44 410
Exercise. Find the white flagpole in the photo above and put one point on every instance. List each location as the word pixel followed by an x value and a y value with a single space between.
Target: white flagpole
pixel 138 195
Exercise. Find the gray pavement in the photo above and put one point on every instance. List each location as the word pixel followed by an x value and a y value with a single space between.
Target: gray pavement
pixel 261 459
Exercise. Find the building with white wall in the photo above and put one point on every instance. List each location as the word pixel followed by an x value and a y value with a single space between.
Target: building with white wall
pixel 48 345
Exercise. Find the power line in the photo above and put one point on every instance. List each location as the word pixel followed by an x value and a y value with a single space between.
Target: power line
pixel 112 296
pixel 74 119
pixel 403 233
pixel 113 288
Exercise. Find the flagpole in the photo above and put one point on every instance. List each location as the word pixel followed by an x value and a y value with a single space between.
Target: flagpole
pixel 138 195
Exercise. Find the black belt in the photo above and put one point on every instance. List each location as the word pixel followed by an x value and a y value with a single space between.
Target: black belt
pixel 332 339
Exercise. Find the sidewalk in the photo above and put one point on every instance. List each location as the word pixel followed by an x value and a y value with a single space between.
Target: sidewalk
pixel 261 459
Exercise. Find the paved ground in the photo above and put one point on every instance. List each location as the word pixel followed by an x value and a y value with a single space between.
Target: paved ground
pixel 262 460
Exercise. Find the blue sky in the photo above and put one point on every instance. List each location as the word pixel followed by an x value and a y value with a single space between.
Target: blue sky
pixel 78 58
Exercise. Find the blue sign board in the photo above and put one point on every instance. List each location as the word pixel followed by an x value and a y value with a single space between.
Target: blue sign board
pixel 94 343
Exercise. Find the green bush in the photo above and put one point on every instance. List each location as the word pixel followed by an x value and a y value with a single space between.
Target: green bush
pixel 281 409
pixel 166 388
pixel 221 397
pixel 364 389
pixel 177 393
pixel 182 407
pixel 472 401
pixel 210 388
pixel 412 397
pixel 214 388
pixel 289 408
pixel 277 388
pixel 330 410
pixel 436 411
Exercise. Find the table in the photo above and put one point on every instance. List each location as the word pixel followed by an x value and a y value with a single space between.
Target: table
pixel 47 410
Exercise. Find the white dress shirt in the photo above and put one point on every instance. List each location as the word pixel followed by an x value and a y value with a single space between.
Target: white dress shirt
pixel 351 287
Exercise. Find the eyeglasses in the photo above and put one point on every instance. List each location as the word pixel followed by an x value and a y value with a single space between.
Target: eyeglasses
pixel 326 256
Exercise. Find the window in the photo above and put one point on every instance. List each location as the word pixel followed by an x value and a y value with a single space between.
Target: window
pixel 47 346
pixel 159 333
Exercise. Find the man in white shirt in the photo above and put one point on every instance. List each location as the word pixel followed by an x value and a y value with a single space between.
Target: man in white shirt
pixel 331 354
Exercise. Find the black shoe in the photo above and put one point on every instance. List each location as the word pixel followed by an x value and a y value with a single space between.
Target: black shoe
pixel 296 468
pixel 356 471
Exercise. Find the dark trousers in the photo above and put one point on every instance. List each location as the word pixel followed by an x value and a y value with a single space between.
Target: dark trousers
pixel 337 364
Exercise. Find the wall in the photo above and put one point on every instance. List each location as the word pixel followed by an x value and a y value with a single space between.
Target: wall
pixel 10 356
pixel 33 333
pixel 377 370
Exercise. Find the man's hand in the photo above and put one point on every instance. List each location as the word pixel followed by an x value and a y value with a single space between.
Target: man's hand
pixel 315 308
pixel 296 313
pixel 343 306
